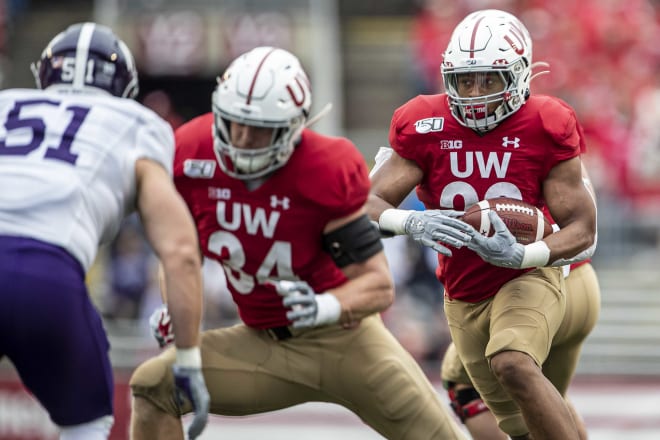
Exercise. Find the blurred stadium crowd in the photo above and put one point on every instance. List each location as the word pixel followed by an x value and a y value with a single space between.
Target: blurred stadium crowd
pixel 604 60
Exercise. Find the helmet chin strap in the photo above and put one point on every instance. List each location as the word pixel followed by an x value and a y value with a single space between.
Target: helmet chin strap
pixel 541 64
pixel 324 111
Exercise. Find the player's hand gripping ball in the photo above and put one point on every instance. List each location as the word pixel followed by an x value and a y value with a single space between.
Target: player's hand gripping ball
pixel 525 221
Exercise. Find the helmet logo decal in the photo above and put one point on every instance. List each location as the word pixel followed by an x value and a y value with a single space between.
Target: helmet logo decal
pixel 256 75
pixel 520 47
pixel 298 101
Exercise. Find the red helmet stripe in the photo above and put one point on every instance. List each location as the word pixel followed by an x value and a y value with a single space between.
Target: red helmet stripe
pixel 256 74
pixel 474 36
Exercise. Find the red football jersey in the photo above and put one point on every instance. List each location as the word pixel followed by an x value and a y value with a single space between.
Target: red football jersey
pixel 462 167
pixel 274 231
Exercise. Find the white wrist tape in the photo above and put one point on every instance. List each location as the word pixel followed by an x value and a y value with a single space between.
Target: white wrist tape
pixel 189 357
pixel 328 309
pixel 394 220
pixel 536 254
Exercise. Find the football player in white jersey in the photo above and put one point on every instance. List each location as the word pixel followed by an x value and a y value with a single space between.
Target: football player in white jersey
pixel 76 157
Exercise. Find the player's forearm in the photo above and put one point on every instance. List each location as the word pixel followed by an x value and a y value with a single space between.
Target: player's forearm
pixel 569 242
pixel 375 207
pixel 369 291
pixel 183 284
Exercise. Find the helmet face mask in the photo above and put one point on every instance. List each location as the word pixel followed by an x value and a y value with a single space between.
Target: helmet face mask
pixel 265 87
pixel 84 58
pixel 494 42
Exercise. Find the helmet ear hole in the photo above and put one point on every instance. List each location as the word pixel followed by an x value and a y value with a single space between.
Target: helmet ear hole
pixel 106 63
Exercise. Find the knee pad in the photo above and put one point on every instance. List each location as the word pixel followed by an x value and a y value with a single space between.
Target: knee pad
pixel 465 402
pixel 98 429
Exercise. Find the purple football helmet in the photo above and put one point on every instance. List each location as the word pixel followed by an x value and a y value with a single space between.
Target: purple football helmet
pixel 87 55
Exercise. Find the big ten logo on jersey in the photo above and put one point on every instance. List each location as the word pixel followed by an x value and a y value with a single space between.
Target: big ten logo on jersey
pixel 428 125
pixel 219 193
pixel 447 144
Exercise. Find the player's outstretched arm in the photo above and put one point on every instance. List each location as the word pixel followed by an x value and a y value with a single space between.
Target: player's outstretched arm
pixel 171 232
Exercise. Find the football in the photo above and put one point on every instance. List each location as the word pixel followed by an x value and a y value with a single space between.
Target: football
pixel 526 222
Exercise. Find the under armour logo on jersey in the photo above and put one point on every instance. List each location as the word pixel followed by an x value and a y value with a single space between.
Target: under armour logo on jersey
pixel 198 168
pixel 283 202
pixel 506 142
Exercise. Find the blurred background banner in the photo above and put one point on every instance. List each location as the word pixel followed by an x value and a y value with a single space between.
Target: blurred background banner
pixel 174 40
pixel 367 58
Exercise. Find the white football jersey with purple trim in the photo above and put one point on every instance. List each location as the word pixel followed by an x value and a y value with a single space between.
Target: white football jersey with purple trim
pixel 67 165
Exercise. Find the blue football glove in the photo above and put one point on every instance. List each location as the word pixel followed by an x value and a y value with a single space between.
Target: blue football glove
pixel 190 382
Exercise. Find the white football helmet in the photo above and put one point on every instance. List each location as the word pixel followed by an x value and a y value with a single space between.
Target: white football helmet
pixel 488 41
pixel 265 87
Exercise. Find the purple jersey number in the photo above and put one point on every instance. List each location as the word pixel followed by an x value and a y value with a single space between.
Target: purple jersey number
pixel 38 127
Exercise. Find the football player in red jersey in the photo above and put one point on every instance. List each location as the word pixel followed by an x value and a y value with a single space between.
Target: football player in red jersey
pixel 582 311
pixel 282 209
pixel 488 137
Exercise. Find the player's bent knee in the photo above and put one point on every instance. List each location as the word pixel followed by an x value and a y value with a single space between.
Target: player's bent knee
pixel 153 381
pixel 466 402
pixel 98 429
pixel 149 374
pixel 512 368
